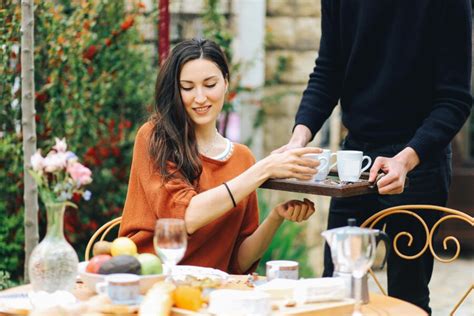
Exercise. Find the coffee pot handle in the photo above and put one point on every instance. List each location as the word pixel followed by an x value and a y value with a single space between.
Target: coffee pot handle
pixel 388 245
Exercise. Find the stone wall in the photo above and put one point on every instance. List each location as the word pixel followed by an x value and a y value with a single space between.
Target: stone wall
pixel 293 34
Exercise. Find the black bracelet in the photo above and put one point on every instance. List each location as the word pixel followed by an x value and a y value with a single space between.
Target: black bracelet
pixel 230 193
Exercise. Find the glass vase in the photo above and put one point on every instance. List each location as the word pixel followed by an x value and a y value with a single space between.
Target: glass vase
pixel 53 262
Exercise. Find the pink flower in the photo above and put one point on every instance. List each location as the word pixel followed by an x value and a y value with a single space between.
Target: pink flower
pixel 61 145
pixel 37 161
pixel 54 161
pixel 71 157
pixel 80 173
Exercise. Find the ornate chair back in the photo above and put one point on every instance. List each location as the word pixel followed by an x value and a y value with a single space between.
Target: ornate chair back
pixel 449 214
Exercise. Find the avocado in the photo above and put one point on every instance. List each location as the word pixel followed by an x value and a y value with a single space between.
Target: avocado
pixel 121 264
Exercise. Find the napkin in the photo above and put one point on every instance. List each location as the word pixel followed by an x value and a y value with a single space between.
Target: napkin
pixel 15 301
pixel 306 290
pixel 320 290
pixel 279 288
pixel 43 300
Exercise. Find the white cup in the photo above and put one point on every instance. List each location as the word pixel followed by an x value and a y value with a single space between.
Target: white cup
pixel 323 171
pixel 323 163
pixel 122 288
pixel 282 269
pixel 349 164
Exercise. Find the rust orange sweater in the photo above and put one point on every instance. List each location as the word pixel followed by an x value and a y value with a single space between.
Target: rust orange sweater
pixel 148 198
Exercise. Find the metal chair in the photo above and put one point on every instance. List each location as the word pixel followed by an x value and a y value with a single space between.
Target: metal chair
pixel 104 230
pixel 408 209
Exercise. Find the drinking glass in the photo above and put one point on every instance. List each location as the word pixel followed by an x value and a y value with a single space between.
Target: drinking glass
pixel 170 241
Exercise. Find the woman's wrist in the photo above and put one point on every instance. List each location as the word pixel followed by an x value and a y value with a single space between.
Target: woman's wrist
pixel 261 170
pixel 275 216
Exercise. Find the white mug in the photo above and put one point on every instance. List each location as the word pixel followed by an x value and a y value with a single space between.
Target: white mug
pixel 324 171
pixel 323 163
pixel 349 164
pixel 122 288
pixel 282 269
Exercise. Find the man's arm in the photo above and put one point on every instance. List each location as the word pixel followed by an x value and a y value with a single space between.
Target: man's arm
pixel 300 138
pixel 324 84
pixel 452 100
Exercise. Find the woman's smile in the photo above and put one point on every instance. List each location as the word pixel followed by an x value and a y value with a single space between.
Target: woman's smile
pixel 202 109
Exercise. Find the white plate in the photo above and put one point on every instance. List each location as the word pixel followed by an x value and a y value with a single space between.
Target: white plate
pixel 199 272
pixel 91 279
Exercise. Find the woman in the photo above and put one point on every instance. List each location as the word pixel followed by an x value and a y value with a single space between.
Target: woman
pixel 183 168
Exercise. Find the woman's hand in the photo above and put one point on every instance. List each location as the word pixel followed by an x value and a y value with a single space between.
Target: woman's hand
pixel 294 210
pixel 254 246
pixel 290 164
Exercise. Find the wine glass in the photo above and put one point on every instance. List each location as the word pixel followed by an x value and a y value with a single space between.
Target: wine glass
pixel 170 241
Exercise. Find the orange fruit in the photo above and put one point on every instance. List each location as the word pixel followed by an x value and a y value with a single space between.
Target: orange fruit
pixel 188 297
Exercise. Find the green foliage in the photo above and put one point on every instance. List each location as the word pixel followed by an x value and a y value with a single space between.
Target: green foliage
pixel 282 66
pixel 5 281
pixel 215 27
pixel 9 35
pixel 11 206
pixel 287 244
pixel 11 163
pixel 93 83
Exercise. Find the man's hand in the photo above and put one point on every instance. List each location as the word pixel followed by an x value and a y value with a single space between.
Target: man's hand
pixel 300 138
pixel 285 147
pixel 294 210
pixel 395 170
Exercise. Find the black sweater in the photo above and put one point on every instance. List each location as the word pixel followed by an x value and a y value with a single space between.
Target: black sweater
pixel 401 69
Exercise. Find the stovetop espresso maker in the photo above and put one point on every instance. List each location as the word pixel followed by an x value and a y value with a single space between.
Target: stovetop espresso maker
pixel 353 252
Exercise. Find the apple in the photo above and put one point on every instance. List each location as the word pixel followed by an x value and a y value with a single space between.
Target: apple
pixel 96 262
pixel 123 246
pixel 150 263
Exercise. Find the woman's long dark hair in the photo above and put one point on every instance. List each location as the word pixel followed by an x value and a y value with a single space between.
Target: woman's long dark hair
pixel 173 139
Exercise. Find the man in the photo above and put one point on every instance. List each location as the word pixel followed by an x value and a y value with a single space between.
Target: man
pixel 401 70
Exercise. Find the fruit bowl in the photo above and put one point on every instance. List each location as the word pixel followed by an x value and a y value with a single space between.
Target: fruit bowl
pixel 91 279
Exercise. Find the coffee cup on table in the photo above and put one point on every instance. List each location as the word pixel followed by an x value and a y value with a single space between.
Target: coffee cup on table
pixel 121 288
pixel 323 163
pixel 349 165
pixel 282 269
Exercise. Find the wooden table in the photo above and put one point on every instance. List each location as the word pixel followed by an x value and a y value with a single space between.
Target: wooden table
pixel 379 304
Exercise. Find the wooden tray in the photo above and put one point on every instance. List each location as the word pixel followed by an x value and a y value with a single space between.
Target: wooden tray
pixel 331 186
pixel 344 307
